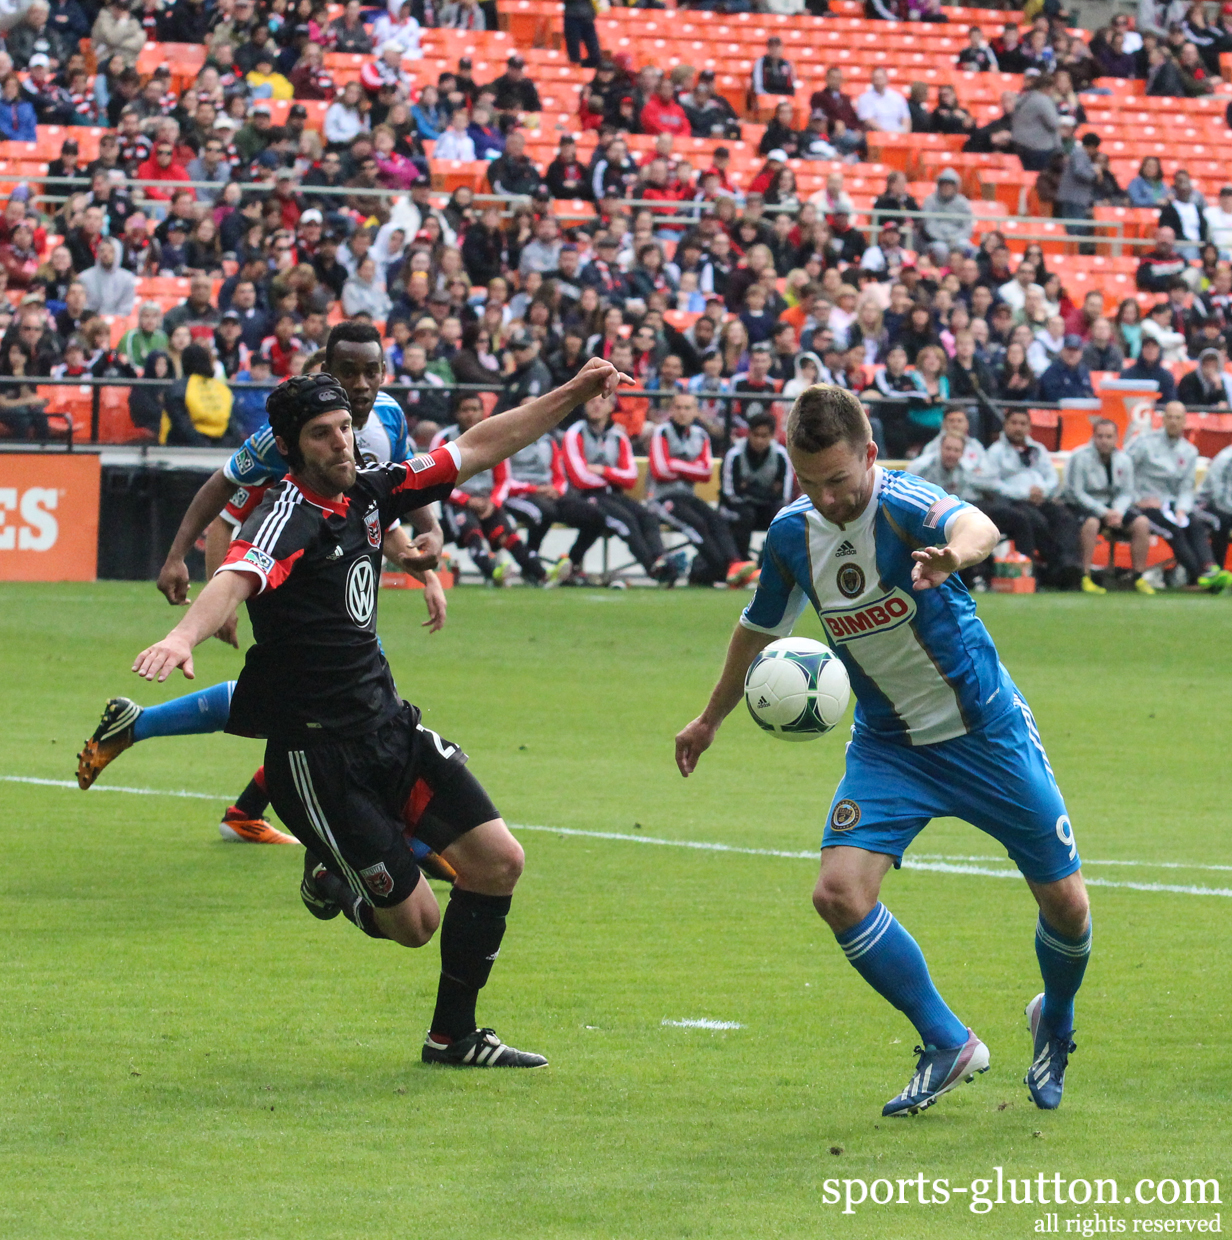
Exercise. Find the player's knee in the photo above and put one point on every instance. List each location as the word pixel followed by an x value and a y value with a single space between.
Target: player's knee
pixel 840 904
pixel 508 862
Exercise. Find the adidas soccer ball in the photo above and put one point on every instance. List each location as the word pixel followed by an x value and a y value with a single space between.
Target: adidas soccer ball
pixel 796 689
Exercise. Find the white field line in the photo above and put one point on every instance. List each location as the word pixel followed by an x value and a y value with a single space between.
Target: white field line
pixel 703 1022
pixel 935 863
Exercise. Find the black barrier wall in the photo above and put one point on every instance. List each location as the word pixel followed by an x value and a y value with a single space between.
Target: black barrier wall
pixel 140 509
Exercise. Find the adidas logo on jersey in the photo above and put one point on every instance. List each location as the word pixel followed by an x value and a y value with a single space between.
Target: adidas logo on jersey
pixel 846 549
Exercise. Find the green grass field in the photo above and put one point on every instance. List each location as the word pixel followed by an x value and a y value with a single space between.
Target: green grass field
pixel 186 1053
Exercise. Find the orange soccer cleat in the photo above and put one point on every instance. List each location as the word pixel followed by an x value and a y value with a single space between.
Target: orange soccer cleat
pixel 240 830
pixel 111 738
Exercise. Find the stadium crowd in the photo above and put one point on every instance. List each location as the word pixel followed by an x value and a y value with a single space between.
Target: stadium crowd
pixel 721 302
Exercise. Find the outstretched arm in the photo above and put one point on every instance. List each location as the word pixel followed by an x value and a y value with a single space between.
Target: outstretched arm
pixel 972 537
pixel 208 502
pixel 214 605
pixel 695 738
pixel 497 438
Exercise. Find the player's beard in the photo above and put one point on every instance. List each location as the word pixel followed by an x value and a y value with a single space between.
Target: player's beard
pixel 330 478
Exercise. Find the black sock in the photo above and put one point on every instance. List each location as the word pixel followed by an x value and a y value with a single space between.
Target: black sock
pixel 360 913
pixel 253 800
pixel 471 934
pixel 526 560
pixel 483 561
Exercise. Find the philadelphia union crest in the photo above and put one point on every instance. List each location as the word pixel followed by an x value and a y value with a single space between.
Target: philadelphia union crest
pixel 845 816
pixel 851 580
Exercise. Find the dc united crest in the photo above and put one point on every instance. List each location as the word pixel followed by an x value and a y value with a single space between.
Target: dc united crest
pixel 845 816
pixel 851 581
pixel 372 524
pixel 361 592
pixel 380 881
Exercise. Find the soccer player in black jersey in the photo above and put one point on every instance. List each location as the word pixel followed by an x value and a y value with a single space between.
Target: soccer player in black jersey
pixel 344 754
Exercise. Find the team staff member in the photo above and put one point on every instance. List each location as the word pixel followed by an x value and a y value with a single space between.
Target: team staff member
pixel 476 512
pixel 680 459
pixel 1215 498
pixel 600 467
pixel 537 486
pixel 755 481
pixel 1099 489
pixel 343 752
pixel 1165 467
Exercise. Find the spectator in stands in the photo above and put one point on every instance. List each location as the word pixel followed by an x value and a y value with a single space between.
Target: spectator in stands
pixel 881 109
pixel 883 10
pixel 32 35
pixel 147 337
pixel 161 166
pixel 345 118
pixel 1159 266
pixel 662 114
pixel 1183 213
pixel 977 56
pixel 949 221
pixel 1207 386
pixel 1157 326
pixel 1165 465
pixel 210 165
pixel 1076 191
pixel 109 288
pixel 364 293
pixel 17 119
pixel 513 173
pixel 1036 124
pixel 1020 483
pixel 1148 188
pixel 1067 378
pixel 1099 489
pixel 773 74
pixel 1163 79
pixel 1158 16
pixel 348 34
pixel 579 18
pixel 515 92
pixel 455 142
pixel 1195 76
pixel 22 410
pixel 464 15
pixel 1108 49
pixel 1148 366
pixel 117 32
pixel 1102 351
pixel 145 404
pixel 949 116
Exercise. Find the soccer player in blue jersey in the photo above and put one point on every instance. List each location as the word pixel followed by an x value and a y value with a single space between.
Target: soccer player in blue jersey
pixel 354 357
pixel 940 729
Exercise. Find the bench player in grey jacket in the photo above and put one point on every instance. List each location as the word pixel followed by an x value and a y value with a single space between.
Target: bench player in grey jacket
pixel 1099 488
pixel 947 468
pixel 1165 467
pixel 537 495
pixel 1215 496
pixel 755 482
pixel 680 459
pixel 1020 484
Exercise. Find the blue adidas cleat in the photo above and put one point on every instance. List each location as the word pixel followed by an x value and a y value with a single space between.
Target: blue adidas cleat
pixel 937 1072
pixel 1046 1076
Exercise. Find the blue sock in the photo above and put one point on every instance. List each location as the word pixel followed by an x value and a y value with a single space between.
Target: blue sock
pixel 1062 962
pixel 891 962
pixel 204 711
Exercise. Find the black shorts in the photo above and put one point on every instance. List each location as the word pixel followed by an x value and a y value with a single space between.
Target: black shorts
pixel 351 803
pixel 1112 533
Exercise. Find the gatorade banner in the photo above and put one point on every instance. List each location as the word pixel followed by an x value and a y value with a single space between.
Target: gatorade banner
pixel 48 516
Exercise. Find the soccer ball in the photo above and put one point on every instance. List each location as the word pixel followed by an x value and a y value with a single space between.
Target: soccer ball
pixel 796 689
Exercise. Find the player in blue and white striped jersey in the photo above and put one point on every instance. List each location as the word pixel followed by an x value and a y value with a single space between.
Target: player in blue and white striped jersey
pixel 940 729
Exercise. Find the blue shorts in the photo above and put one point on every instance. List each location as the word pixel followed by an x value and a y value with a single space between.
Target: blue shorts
pixel 998 779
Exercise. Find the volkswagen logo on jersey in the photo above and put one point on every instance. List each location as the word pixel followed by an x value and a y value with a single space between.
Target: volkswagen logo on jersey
pixel 372 524
pixel 851 581
pixel 361 592
pixel 845 816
